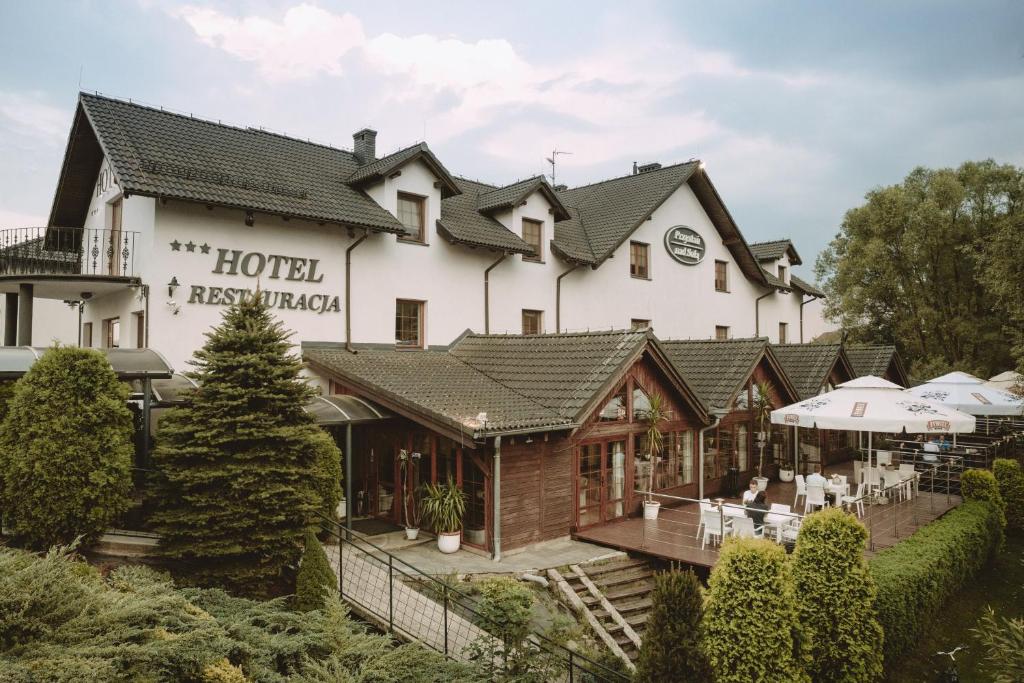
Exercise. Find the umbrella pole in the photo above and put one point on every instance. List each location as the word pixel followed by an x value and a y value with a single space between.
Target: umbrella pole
pixel 870 476
pixel 796 448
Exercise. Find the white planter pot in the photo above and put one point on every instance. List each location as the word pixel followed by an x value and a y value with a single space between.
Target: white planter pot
pixel 762 483
pixel 786 475
pixel 651 508
pixel 449 543
pixel 411 534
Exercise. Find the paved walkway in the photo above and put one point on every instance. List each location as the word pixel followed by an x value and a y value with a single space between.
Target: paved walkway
pixel 385 598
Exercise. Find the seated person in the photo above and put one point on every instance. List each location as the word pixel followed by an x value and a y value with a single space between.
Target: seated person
pixel 748 495
pixel 816 478
pixel 759 508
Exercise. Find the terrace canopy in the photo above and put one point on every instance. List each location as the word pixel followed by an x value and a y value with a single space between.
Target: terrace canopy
pixel 1010 381
pixel 969 394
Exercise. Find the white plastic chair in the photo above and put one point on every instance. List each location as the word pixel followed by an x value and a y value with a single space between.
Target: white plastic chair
pixel 778 508
pixel 858 471
pixel 790 532
pixel 713 526
pixel 743 527
pixel 815 497
pixel 894 483
pixel 884 458
pixel 801 489
pixel 856 499
pixel 872 478
pixel 909 475
pixel 705 506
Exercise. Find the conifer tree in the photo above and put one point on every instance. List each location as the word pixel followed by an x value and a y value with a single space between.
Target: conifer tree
pixel 65 449
pixel 671 649
pixel 835 595
pixel 239 460
pixel 316 579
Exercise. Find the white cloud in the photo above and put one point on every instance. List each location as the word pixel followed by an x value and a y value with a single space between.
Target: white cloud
pixel 26 114
pixel 307 41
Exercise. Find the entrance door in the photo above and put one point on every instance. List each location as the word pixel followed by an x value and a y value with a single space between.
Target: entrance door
pixel 601 482
pixel 615 480
pixel 114 257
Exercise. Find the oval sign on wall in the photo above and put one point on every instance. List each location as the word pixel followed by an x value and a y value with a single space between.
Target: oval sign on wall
pixel 684 245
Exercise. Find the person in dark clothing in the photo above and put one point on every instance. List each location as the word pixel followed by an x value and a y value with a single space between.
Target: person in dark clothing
pixel 758 508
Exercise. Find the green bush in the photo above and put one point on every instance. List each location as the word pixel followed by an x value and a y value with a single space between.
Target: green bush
pixel 66 449
pixel 1004 644
pixel 316 579
pixel 1010 479
pixel 241 460
pixel 915 577
pixel 835 596
pixel 505 608
pixel 671 646
pixel 326 474
pixel 750 632
pixel 61 621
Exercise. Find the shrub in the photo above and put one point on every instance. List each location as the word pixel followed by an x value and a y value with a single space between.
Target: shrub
pixel 316 579
pixel 505 608
pixel 1004 643
pixel 66 449
pixel 916 576
pixel 240 459
pixel 750 632
pixel 1010 480
pixel 835 596
pixel 326 474
pixel 671 647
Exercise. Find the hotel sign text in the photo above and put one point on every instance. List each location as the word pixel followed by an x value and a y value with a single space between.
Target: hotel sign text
pixel 684 245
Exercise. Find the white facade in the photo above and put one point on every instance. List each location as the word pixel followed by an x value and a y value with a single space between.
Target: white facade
pixel 214 256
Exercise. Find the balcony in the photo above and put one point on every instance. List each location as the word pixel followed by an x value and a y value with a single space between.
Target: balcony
pixel 68 253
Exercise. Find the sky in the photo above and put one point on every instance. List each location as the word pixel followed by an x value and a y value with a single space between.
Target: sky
pixel 796 108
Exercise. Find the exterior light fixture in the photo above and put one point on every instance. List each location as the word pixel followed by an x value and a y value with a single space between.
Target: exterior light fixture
pixel 250 219
pixel 172 285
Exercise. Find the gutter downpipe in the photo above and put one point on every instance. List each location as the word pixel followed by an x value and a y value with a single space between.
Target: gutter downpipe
pixel 348 289
pixel 558 298
pixel 802 304
pixel 496 535
pixel 757 312
pixel 487 293
pixel 700 453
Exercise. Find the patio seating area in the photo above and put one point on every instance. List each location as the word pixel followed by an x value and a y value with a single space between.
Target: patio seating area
pixel 892 505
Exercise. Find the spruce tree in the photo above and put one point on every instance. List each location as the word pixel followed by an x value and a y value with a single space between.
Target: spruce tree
pixel 65 449
pixel 835 595
pixel 316 579
pixel 239 460
pixel 671 648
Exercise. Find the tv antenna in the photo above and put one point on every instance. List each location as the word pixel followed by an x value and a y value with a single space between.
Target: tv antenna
pixel 551 160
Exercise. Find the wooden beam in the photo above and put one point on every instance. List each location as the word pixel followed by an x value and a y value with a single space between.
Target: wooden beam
pixel 577 604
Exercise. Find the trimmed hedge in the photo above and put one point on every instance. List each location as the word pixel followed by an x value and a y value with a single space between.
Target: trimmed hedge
pixel 673 653
pixel 915 577
pixel 1010 479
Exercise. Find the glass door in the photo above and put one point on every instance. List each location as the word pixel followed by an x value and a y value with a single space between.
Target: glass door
pixel 114 247
pixel 588 484
pixel 615 480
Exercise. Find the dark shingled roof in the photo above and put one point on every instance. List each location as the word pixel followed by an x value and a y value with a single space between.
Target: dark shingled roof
pixel 462 223
pixel 806 287
pixel 381 168
pixel 510 196
pixel 161 154
pixel 808 365
pixel 715 369
pixel 523 383
pixel 774 250
pixel 774 280
pixel 866 359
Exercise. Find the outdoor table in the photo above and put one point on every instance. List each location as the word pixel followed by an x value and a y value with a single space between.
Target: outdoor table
pixel 779 521
pixel 837 490
pixel 734 511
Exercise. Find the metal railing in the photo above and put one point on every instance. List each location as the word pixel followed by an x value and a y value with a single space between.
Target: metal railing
pixel 416 606
pixel 68 251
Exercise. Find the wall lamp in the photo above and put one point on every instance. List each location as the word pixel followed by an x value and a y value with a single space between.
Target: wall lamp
pixel 172 285
pixel 250 218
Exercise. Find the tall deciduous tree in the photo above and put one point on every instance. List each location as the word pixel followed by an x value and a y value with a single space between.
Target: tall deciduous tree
pixel 241 459
pixel 835 596
pixel 66 449
pixel 909 267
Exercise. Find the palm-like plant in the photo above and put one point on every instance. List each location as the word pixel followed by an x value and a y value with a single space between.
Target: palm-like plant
pixel 410 462
pixel 761 406
pixel 655 414
pixel 444 506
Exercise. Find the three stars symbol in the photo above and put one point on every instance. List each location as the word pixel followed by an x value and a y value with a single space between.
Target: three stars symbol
pixel 190 247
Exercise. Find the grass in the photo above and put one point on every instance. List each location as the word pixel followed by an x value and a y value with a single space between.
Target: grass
pixel 1001 585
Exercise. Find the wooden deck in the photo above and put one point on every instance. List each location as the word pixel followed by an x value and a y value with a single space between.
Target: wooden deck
pixel 673 536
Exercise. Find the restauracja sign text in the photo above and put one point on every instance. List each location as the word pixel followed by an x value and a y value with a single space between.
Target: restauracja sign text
pixel 273 267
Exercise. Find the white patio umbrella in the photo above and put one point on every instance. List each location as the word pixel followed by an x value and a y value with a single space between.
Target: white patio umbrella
pixel 1009 381
pixel 969 394
pixel 872 404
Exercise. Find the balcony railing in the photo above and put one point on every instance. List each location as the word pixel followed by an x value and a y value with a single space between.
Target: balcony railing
pixel 68 251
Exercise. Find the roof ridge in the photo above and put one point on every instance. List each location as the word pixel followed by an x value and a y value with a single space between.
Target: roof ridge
pixel 517 182
pixel 586 333
pixel 220 124
pixel 762 242
pixel 631 175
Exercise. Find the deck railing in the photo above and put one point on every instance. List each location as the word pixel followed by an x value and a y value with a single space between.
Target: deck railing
pixel 68 251
pixel 416 606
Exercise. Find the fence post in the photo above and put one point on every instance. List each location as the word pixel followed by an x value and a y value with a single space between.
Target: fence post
pixel 871 526
pixel 949 469
pixel 444 593
pixel 895 514
pixel 721 523
pixel 341 567
pixel 571 667
pixel 391 594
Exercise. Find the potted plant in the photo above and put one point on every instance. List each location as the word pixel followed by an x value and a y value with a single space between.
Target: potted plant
pixel 762 408
pixel 410 462
pixel 444 506
pixel 654 414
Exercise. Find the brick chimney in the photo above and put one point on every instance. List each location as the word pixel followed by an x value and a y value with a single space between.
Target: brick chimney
pixel 364 146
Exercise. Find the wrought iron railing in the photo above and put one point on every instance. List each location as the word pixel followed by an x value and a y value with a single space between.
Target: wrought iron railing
pixel 419 607
pixel 68 251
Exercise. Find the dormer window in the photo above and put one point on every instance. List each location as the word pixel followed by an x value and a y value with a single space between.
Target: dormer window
pixel 533 234
pixel 782 273
pixel 412 213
